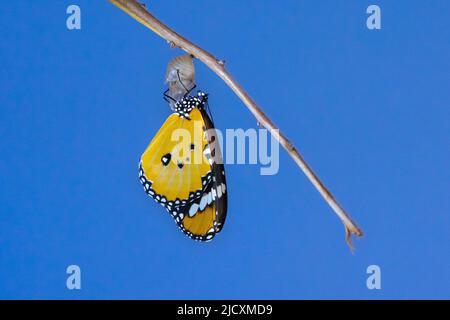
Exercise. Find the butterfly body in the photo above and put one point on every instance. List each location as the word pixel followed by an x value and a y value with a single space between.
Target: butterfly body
pixel 182 170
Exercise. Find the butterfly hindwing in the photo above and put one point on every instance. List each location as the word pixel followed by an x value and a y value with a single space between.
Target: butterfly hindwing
pixel 179 172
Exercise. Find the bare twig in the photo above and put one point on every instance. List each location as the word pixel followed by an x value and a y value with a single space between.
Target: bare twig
pixel 140 13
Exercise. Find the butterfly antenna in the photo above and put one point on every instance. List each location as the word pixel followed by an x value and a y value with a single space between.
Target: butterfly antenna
pixel 167 97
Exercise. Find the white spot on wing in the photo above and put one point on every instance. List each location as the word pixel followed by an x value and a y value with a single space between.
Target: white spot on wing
pixel 210 197
pixel 193 209
pixel 219 191
pixel 203 202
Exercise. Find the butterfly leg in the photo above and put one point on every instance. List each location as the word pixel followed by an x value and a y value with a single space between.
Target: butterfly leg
pixel 190 90
pixel 167 97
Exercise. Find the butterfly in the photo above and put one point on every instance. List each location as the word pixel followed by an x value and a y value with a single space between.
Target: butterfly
pixel 182 169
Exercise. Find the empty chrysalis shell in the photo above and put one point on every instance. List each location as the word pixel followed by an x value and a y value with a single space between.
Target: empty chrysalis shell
pixel 180 76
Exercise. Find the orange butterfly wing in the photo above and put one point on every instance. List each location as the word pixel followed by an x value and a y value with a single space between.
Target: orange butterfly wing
pixel 178 172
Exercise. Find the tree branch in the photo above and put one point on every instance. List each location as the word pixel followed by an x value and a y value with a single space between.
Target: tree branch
pixel 140 13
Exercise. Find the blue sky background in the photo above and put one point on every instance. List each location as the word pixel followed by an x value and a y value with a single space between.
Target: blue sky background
pixel 368 109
